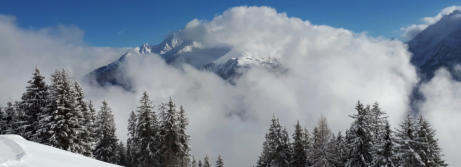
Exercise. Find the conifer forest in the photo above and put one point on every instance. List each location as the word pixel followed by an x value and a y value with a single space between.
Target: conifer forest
pixel 55 112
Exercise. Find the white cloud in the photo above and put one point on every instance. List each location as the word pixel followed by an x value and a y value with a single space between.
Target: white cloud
pixel 21 50
pixel 443 110
pixel 328 70
pixel 412 30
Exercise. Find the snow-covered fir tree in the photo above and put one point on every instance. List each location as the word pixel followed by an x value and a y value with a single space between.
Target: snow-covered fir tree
pixel 170 139
pixel 106 148
pixel 308 145
pixel 93 127
pixel 145 135
pixel 386 155
pixel 10 117
pixel 276 148
pixel 87 121
pixel 359 138
pixel 219 162
pixel 2 121
pixel 341 149
pixel 193 163
pixel 429 150
pixel 33 103
pixel 60 124
pixel 323 153
pixel 377 122
pixel 184 149
pixel 19 121
pixel 131 146
pixel 407 146
pixel 299 157
pixel 121 151
pixel 206 162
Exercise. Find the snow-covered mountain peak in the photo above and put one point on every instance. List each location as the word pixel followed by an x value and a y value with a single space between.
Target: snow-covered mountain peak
pixel 248 60
pixel 225 61
pixel 144 49
pixel 171 42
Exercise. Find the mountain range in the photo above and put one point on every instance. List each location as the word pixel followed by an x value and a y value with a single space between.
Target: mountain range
pixel 176 51
pixel 439 45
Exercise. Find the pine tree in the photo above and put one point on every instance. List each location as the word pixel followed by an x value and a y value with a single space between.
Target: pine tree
pixel 132 140
pixel 11 116
pixel 276 148
pixel 429 150
pixel 145 136
pixel 206 162
pixel 299 147
pixel 2 121
pixel 323 154
pixel 341 149
pixel 407 147
pixel 266 155
pixel 59 125
pixel 308 146
pixel 106 149
pixel 386 155
pixel 219 162
pixel 194 163
pixel 360 138
pixel 86 122
pixel 169 135
pixel 93 126
pixel 183 152
pixel 121 151
pixel 20 120
pixel 377 123
pixel 33 104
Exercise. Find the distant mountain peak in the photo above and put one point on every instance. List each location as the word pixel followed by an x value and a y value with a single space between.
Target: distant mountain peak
pixel 144 49
pixel 175 50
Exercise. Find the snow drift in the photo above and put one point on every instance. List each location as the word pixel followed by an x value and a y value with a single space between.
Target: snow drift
pixel 15 151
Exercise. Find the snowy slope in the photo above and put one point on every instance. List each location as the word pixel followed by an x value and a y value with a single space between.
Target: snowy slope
pixel 15 151
pixel 439 45
pixel 233 68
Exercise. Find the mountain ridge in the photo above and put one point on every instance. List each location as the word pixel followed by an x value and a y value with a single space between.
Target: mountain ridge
pixel 439 45
pixel 176 51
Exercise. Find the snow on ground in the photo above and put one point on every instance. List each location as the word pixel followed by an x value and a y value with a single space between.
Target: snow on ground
pixel 15 151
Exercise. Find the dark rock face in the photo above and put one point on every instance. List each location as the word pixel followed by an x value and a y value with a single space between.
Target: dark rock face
pixel 439 45
pixel 112 74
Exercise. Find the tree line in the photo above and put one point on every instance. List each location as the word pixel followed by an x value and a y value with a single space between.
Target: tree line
pixel 58 115
pixel 369 142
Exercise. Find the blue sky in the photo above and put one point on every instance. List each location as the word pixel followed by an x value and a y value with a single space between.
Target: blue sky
pixel 120 23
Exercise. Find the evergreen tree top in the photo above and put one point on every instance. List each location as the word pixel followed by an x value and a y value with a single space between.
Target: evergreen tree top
pixel 220 162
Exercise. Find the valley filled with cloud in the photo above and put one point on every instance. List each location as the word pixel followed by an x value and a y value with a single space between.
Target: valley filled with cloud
pixel 326 71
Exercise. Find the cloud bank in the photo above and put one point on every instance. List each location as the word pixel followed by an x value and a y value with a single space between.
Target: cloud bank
pixel 49 48
pixel 411 31
pixel 328 70
pixel 443 109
